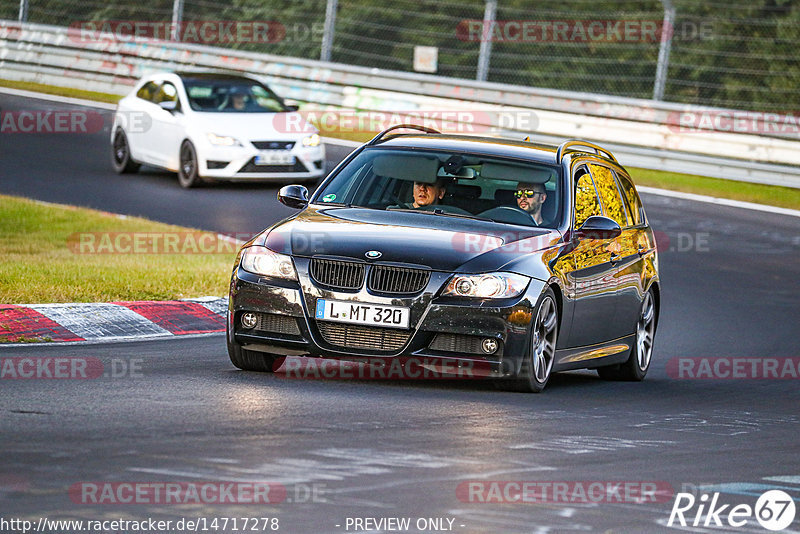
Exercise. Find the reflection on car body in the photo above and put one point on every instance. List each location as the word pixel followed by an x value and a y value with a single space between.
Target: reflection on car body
pixel 475 277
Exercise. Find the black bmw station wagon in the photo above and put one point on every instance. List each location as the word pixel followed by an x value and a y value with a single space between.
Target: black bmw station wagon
pixel 525 258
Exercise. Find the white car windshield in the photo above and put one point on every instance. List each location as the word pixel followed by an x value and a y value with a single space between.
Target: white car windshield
pixel 232 96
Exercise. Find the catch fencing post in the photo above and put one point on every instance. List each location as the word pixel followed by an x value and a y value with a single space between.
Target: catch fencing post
pixel 330 28
pixel 486 40
pixel 667 29
pixel 23 10
pixel 177 20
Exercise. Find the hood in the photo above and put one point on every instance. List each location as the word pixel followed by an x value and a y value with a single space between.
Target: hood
pixel 254 126
pixel 439 242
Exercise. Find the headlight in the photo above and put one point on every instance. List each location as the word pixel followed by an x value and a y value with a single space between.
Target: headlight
pixel 311 140
pixel 487 286
pixel 223 140
pixel 261 260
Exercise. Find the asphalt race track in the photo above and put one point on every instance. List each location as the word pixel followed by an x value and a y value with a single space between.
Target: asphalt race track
pixel 177 411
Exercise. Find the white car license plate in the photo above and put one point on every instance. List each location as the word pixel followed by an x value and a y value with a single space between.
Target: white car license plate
pixel 360 313
pixel 275 157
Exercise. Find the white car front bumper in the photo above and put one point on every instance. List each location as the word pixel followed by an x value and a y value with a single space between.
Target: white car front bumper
pixel 239 163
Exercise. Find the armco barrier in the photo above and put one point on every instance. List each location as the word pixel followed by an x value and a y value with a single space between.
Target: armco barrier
pixel 642 133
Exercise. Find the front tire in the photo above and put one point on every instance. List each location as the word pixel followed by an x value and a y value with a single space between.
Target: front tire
pixel 250 360
pixel 188 173
pixel 537 366
pixel 635 369
pixel 121 154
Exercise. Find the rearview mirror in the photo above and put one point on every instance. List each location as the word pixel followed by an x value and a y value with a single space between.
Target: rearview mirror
pixel 598 227
pixel 294 196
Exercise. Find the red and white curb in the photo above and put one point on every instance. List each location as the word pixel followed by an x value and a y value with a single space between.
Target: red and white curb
pixel 113 321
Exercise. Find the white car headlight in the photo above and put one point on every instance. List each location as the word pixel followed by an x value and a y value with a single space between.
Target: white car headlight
pixel 311 140
pixel 223 140
pixel 487 286
pixel 261 260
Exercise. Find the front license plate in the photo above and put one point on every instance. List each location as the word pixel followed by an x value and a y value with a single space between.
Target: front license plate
pixel 360 313
pixel 275 157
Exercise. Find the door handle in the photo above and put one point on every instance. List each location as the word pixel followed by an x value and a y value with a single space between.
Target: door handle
pixel 642 251
pixel 614 258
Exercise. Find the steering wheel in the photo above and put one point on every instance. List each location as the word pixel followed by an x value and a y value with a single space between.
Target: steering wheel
pixel 509 214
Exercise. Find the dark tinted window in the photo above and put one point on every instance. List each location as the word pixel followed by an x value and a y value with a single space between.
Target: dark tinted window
pixel 231 96
pixel 606 185
pixel 453 183
pixel 147 91
pixel 632 199
pixel 586 202
pixel 166 93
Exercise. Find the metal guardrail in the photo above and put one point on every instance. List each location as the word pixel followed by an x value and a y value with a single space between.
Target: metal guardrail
pixel 641 133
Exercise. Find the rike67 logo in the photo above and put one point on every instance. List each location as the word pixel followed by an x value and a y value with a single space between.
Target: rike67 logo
pixel 774 510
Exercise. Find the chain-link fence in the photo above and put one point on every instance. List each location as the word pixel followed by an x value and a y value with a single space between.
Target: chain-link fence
pixel 738 54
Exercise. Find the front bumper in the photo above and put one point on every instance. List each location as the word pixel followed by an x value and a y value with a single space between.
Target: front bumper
pixel 442 328
pixel 238 163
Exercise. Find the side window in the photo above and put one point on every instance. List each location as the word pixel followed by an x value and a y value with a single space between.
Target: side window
pixel 166 93
pixel 586 203
pixel 147 91
pixel 632 198
pixel 609 194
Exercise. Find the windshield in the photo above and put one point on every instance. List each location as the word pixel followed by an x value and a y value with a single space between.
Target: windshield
pixel 446 183
pixel 232 96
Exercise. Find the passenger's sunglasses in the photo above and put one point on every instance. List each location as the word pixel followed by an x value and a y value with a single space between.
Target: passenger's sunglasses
pixel 527 193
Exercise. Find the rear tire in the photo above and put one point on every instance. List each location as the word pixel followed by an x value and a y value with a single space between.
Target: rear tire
pixel 538 363
pixel 121 154
pixel 188 173
pixel 635 369
pixel 250 360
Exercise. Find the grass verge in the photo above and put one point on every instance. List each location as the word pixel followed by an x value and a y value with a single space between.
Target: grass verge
pixel 55 253
pixel 61 91
pixel 772 195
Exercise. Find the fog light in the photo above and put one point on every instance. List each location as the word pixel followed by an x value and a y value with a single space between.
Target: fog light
pixel 489 345
pixel 249 320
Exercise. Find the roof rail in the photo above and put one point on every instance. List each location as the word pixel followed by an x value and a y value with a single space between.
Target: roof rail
pixel 399 126
pixel 600 151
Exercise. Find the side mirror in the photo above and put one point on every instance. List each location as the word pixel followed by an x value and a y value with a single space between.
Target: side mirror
pixel 598 227
pixel 294 196
pixel 169 105
pixel 291 105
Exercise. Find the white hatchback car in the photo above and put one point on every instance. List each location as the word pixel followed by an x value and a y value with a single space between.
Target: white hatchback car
pixel 213 126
